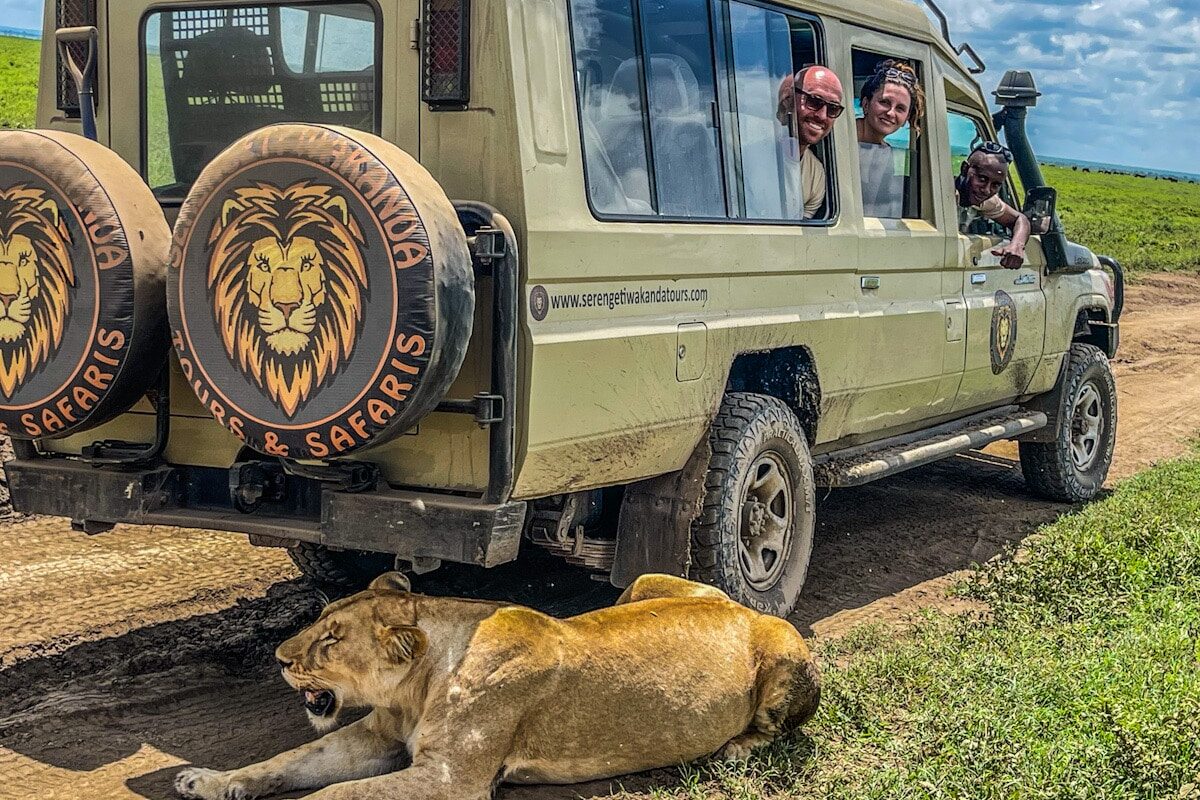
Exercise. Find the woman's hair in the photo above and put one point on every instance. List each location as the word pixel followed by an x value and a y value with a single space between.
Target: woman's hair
pixel 901 74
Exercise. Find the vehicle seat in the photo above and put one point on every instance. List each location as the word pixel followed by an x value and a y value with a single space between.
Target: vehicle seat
pixel 227 83
pixel 687 162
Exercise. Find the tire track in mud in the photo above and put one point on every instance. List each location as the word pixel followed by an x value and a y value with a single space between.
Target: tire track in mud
pixel 127 655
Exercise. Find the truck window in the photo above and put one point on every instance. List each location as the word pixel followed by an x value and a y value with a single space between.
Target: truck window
pixel 889 172
pixel 212 75
pixel 681 87
pixel 650 96
pixel 965 133
pixel 768 47
pixel 612 99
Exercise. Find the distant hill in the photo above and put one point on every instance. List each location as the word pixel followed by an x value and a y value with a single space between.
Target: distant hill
pixel 20 33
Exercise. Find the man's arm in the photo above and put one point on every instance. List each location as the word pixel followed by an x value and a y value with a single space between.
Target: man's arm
pixel 1012 255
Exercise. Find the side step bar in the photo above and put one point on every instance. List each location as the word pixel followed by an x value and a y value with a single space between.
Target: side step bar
pixel 858 465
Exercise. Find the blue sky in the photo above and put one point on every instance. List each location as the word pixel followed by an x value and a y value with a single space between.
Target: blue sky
pixel 1120 78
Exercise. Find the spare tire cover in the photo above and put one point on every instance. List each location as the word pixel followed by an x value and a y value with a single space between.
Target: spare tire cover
pixel 321 291
pixel 83 253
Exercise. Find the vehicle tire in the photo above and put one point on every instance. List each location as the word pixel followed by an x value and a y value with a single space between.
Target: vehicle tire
pixel 339 572
pixel 754 535
pixel 1074 466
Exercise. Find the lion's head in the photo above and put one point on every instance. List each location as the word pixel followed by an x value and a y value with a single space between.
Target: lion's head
pixel 287 277
pixel 357 652
pixel 36 275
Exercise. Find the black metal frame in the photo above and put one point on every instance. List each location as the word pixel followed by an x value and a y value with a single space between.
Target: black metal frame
pixel 66 90
pixel 458 101
pixel 339 504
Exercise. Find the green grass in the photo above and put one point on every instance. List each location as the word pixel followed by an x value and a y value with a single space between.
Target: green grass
pixel 1082 682
pixel 18 81
pixel 1146 224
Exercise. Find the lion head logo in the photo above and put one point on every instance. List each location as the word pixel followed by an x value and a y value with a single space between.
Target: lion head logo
pixel 36 276
pixel 287 278
pixel 1004 331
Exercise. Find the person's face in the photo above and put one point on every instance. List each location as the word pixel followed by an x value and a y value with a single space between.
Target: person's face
pixel 888 109
pixel 813 125
pixel 985 175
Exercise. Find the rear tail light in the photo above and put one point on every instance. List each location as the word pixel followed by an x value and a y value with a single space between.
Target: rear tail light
pixel 445 54
pixel 72 14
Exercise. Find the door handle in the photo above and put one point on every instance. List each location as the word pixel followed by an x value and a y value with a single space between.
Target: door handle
pixel 869 282
pixel 978 278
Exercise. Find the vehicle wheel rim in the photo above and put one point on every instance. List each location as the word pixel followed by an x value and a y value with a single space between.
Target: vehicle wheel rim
pixel 766 523
pixel 1087 427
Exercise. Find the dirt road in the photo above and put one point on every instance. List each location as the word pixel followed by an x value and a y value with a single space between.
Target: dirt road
pixel 127 655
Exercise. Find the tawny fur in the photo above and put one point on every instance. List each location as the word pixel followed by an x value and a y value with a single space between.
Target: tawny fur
pixel 479 692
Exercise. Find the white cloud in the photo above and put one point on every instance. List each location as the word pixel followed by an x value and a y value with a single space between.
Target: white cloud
pixel 1120 78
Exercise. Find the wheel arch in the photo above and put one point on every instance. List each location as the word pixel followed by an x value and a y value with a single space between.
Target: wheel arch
pixel 1094 326
pixel 786 373
pixel 654 525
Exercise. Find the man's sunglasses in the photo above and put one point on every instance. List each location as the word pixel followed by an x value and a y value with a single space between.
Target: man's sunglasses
pixel 815 104
pixel 994 149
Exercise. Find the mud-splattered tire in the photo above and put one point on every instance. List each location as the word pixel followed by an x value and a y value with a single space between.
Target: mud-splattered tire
pixel 339 572
pixel 1074 466
pixel 754 535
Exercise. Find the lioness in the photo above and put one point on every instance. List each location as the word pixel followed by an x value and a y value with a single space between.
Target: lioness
pixel 482 692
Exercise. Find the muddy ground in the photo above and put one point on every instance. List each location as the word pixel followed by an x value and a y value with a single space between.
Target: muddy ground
pixel 126 655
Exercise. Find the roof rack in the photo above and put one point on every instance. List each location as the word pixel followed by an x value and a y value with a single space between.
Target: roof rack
pixel 962 49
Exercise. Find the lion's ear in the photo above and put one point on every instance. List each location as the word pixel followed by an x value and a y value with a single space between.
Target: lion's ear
pixel 50 210
pixel 230 208
pixel 337 204
pixel 391 582
pixel 403 643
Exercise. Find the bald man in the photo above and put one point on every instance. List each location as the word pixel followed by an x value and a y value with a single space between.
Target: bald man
pixel 809 102
pixel 977 190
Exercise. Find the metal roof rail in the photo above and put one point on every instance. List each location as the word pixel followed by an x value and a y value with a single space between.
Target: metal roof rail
pixel 962 49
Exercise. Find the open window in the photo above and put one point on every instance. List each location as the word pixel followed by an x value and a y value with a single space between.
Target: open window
pixel 889 110
pixel 966 132
pixel 777 179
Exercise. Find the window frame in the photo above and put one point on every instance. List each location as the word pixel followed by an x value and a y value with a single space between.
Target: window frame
pixel 922 167
pixel 143 83
pixel 1009 184
pixel 721 57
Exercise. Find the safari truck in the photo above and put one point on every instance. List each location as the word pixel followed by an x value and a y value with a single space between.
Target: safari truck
pixel 426 282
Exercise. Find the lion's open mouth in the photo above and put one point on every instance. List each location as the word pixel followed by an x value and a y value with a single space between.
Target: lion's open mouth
pixel 319 704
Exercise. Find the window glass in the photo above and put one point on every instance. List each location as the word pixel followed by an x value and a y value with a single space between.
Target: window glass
pixel 888 168
pixel 681 88
pixel 608 77
pixel 965 133
pixel 778 180
pixel 215 74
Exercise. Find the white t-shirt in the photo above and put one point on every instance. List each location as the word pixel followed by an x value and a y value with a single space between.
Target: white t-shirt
pixel 882 169
pixel 804 185
pixel 992 208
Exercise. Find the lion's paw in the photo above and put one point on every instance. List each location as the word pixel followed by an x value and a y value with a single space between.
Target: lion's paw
pixel 197 783
pixel 740 747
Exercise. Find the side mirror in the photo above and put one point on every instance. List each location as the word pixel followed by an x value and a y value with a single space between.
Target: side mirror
pixel 1040 204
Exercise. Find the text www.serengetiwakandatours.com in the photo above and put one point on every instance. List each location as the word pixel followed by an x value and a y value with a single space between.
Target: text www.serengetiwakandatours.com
pixel 628 297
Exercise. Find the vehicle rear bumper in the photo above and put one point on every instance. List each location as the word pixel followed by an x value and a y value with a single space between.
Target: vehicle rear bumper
pixel 409 524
